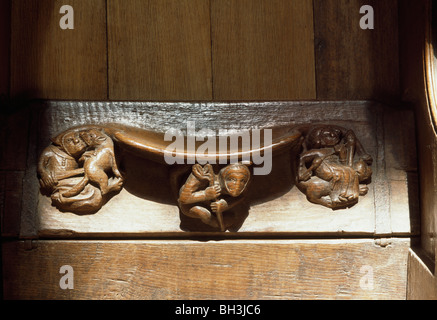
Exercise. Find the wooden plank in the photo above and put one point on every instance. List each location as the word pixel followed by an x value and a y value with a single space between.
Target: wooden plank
pixel 159 50
pixel 5 37
pixel 2 195
pixel 277 269
pixel 13 138
pixel 12 193
pixel 422 284
pixel 48 62
pixel 352 63
pixel 274 205
pixel 401 170
pixel 414 17
pixel 263 50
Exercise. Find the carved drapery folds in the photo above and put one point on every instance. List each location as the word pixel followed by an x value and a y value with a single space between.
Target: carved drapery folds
pixel 79 170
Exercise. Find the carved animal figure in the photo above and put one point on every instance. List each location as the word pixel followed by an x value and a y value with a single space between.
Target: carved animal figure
pixel 333 178
pixel 97 160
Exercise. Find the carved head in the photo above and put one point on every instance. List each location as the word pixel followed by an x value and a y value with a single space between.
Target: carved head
pixel 324 137
pixel 93 136
pixel 363 171
pixel 234 178
pixel 71 143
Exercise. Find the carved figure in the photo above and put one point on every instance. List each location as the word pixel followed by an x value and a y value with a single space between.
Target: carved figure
pixel 79 170
pixel 60 173
pixel 205 192
pixel 328 172
pixel 59 160
pixel 98 159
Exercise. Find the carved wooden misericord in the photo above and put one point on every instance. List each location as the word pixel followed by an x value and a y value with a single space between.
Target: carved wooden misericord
pixel 80 172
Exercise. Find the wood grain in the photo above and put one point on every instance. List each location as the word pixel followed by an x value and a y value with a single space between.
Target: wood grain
pixel 14 133
pixel 422 284
pixel 418 91
pixel 159 50
pixel 5 38
pixel 276 269
pixel 12 185
pixel 48 62
pixel 262 50
pixel 14 139
pixel 414 26
pixel 352 63
pixel 147 207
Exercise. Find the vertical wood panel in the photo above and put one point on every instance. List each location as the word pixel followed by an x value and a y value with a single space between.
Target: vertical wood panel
pixel 48 62
pixel 414 16
pixel 5 11
pixel 352 63
pixel 159 50
pixel 421 285
pixel 12 193
pixel 262 49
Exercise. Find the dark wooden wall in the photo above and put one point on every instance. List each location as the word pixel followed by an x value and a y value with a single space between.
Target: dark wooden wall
pixel 418 89
pixel 202 50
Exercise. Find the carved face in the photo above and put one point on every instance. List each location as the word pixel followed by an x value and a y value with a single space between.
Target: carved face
pixel 363 171
pixel 73 144
pixel 92 137
pixel 329 137
pixel 235 181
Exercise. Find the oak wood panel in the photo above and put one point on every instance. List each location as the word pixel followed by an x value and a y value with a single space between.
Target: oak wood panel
pixel 11 202
pixel 262 49
pixel 14 138
pixel 352 63
pixel 159 50
pixel 5 30
pixel 147 206
pixel 14 133
pixel 48 62
pixel 421 285
pixel 422 262
pixel 275 269
pixel 414 18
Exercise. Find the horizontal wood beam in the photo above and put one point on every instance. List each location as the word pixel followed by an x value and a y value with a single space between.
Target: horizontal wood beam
pixel 250 269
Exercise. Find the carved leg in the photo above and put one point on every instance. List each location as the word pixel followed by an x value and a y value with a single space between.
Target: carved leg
pixel 323 201
pixel 203 214
pixel 114 166
pixel 100 178
pixel 102 181
pixel 317 191
pixel 116 184
pixel 363 189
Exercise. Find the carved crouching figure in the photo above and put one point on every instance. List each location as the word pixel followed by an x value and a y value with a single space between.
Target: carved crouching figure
pixel 97 160
pixel 58 171
pixel 328 173
pixel 66 182
pixel 205 192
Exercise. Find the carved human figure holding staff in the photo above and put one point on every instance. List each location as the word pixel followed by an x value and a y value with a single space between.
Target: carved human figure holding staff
pixel 205 192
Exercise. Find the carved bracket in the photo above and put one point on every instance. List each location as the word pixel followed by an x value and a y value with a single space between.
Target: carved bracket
pixel 79 170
